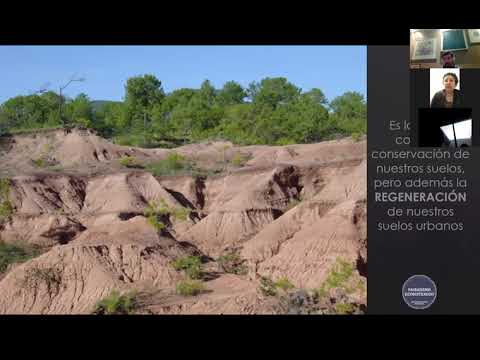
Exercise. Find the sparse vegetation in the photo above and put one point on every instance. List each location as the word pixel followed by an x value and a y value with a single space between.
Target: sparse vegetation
pixel 344 308
pixel 340 277
pixel 39 163
pixel 127 161
pixel 6 208
pixel 180 213
pixel 357 136
pixel 190 287
pixel 161 208
pixel 267 287
pixel 117 304
pixel 232 263
pixel 11 254
pixel 284 284
pixel 173 164
pixel 157 224
pixel 240 159
pixel 192 265
pixel 50 276
pixel 56 168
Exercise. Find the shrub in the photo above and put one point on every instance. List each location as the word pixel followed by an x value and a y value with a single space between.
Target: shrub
pixel 267 287
pixel 284 284
pixel 39 163
pixel 344 308
pixel 154 208
pixel 232 263
pixel 6 208
pixel 190 287
pixel 339 277
pixel 180 213
pixel 35 275
pixel 127 161
pixel 192 265
pixel 4 188
pixel 356 136
pixel 10 254
pixel 161 208
pixel 117 304
pixel 157 224
pixel 171 165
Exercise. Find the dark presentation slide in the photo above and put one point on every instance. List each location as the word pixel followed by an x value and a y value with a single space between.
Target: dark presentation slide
pixel 422 174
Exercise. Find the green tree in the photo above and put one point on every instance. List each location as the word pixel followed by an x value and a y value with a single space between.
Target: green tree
pixel 349 113
pixel 141 94
pixel 317 96
pixel 273 92
pixel 231 93
pixel 207 93
pixel 79 111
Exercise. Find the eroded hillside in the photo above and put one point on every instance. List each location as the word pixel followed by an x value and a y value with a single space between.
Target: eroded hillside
pixel 257 217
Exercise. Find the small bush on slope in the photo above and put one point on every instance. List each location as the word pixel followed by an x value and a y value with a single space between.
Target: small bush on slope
pixel 232 263
pixel 190 287
pixel 10 254
pixel 117 304
pixel 192 266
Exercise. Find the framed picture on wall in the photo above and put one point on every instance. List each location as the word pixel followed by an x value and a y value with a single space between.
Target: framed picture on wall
pixel 453 40
pixel 425 49
pixel 474 36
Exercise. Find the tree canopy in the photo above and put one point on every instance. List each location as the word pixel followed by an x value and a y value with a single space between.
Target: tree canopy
pixel 272 111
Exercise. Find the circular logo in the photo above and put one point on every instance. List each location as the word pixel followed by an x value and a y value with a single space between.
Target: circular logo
pixel 419 292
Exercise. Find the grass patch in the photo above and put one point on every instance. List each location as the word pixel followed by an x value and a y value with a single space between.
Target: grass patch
pixel 39 163
pixel 232 263
pixel 173 164
pixel 117 304
pixel 192 265
pixel 11 254
pixel 190 287
pixel 340 276
pixel 284 284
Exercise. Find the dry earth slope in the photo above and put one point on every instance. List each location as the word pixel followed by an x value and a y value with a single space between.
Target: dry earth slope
pixel 288 212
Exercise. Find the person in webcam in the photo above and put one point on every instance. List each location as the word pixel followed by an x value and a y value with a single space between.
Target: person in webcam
pixel 449 97
pixel 448 59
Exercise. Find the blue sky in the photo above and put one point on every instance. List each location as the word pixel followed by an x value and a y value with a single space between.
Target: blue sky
pixel 333 69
